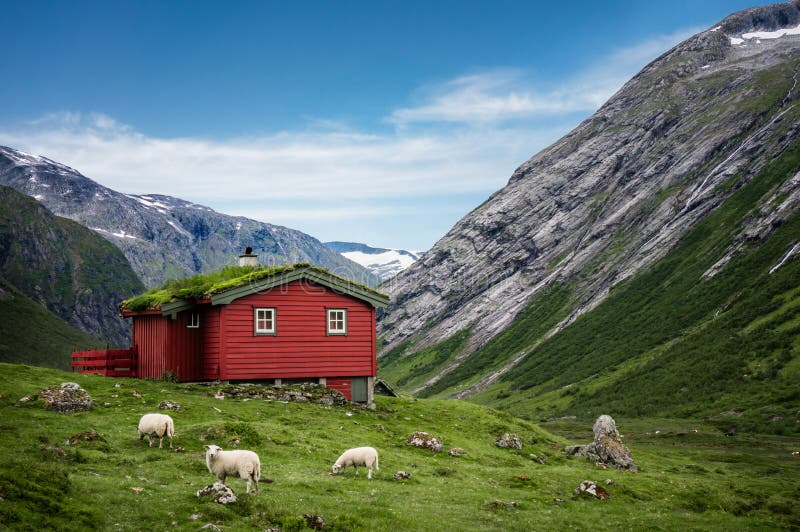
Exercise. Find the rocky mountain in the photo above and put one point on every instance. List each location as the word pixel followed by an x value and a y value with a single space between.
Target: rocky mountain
pixel 384 263
pixel 652 204
pixel 164 237
pixel 64 267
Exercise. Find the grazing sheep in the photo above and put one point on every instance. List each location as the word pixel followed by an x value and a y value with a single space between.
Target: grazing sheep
pixel 244 464
pixel 156 425
pixel 360 456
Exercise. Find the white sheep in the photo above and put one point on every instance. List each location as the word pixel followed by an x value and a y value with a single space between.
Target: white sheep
pixel 245 464
pixel 156 425
pixel 360 456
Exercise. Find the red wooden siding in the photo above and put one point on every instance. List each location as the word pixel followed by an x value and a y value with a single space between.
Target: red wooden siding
pixel 340 385
pixel 150 339
pixel 209 365
pixel 168 346
pixel 301 346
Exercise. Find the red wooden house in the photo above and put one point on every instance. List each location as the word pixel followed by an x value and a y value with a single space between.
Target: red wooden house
pixel 283 325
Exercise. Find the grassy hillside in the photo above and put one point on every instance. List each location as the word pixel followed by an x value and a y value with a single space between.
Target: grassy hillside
pixel 688 479
pixel 71 270
pixel 668 342
pixel 32 334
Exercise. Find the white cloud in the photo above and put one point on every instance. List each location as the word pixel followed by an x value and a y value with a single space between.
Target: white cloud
pixel 470 133
pixel 506 94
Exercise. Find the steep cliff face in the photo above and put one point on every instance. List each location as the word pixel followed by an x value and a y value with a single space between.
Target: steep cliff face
pixel 68 269
pixel 604 203
pixel 164 237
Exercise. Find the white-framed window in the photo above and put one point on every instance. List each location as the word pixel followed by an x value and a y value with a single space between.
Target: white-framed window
pixel 337 321
pixel 265 321
pixel 193 320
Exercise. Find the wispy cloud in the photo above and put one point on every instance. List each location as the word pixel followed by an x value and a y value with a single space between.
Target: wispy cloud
pixel 468 136
pixel 508 94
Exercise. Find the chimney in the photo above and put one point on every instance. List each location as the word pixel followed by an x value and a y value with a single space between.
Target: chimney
pixel 248 259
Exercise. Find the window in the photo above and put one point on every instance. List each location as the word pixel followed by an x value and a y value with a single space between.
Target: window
pixel 337 321
pixel 265 321
pixel 193 321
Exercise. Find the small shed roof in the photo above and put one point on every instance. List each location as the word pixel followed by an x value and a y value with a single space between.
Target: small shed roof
pixel 229 284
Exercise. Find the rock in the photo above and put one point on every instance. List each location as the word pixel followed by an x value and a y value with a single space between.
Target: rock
pixel 180 450
pixel 88 435
pixel 537 458
pixel 314 521
pixel 401 475
pixel 457 451
pixel 558 500
pixel 609 482
pixel 210 526
pixel 590 488
pixel 502 504
pixel 607 448
pixel 66 398
pixel 194 517
pixel 219 492
pixel 425 441
pixel 169 405
pixel 136 394
pixel 24 399
pixel 509 440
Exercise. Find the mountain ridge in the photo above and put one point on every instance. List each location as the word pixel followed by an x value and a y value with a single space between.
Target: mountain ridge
pixel 610 198
pixel 164 237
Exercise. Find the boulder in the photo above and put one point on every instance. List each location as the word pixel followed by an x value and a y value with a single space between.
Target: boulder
pixel 219 492
pixel 509 440
pixel 607 448
pixel 590 488
pixel 169 405
pixel 66 398
pixel 425 441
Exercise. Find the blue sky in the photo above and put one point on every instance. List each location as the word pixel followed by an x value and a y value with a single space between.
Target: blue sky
pixel 377 122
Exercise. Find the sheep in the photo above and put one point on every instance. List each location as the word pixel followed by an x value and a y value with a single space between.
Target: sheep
pixel 245 464
pixel 156 425
pixel 364 456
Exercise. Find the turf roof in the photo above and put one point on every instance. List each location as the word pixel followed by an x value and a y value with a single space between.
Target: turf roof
pixel 207 284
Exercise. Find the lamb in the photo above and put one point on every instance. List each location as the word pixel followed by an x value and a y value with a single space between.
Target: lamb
pixel 156 425
pixel 360 456
pixel 245 464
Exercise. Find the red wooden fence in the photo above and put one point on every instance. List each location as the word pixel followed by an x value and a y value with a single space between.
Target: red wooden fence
pixel 108 362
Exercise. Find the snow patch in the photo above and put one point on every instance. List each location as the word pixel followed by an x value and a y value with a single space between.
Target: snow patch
pixel 181 230
pixel 147 201
pixel 238 225
pixel 716 29
pixel 777 34
pixel 121 234
pixel 38 197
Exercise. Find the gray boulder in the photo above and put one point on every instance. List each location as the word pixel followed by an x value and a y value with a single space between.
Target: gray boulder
pixel 425 441
pixel 607 447
pixel 509 440
pixel 66 398
pixel 219 492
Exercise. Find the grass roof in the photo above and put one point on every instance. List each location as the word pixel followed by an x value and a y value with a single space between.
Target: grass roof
pixel 208 284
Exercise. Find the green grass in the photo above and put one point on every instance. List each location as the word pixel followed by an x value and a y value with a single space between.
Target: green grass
pixel 688 480
pixel 207 284
pixel 408 372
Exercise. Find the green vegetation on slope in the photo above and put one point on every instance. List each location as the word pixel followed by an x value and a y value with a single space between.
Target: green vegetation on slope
pixel 408 372
pixel 206 284
pixel 34 335
pixel 669 342
pixel 694 480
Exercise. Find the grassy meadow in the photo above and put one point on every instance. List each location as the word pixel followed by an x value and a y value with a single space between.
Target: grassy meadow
pixel 688 479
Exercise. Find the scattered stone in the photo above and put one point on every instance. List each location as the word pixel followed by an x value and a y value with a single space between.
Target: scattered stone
pixel 210 526
pixel 314 521
pixel 509 440
pixel 590 488
pixel 219 492
pixel 537 458
pixel 117 385
pixel 401 475
pixel 425 441
pixel 66 398
pixel 502 504
pixel 24 399
pixel 234 441
pixel 558 501
pixel 136 394
pixel 607 448
pixel 115 395
pixel 180 450
pixel 298 393
pixel 87 435
pixel 219 395
pixel 457 451
pixel 609 482
pixel 169 405
pixel 195 517
pixel 795 453
pixel 378 426
pixel 137 489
